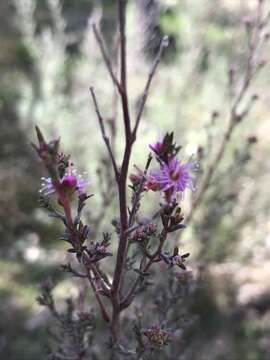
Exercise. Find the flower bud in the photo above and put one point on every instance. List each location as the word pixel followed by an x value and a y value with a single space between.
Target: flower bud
pixel 69 183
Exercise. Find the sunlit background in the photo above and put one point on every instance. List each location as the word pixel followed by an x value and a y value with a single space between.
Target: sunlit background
pixel 48 60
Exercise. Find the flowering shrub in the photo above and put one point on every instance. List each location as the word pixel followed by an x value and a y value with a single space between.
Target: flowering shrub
pixel 141 244
pixel 67 187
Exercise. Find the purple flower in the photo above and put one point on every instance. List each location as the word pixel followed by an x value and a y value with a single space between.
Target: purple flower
pixel 174 178
pixel 70 183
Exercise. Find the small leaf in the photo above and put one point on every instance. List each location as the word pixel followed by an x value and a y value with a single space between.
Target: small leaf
pixel 177 227
pixel 182 266
pixel 175 251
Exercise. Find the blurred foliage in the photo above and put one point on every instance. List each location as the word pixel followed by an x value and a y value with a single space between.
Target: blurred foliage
pixel 48 62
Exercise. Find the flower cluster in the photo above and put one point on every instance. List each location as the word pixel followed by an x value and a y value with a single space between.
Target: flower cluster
pixel 173 177
pixel 144 232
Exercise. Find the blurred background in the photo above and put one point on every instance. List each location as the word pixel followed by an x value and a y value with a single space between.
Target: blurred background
pixel 48 60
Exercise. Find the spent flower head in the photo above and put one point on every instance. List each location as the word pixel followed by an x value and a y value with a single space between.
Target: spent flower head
pixel 144 232
pixel 157 336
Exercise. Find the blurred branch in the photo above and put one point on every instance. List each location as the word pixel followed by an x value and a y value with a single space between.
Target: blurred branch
pixel 104 173
pixel 105 137
pixel 164 44
pixel 122 4
pixel 106 58
pixel 253 66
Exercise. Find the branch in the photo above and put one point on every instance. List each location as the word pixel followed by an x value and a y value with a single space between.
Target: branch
pixel 105 137
pixel 106 286
pixel 122 4
pixel 106 58
pixel 121 253
pixel 138 192
pixel 129 297
pixel 131 229
pixel 68 268
pixel 122 247
pixel 102 307
pixel 163 45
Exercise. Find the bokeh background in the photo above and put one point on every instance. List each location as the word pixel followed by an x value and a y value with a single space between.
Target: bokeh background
pixel 48 60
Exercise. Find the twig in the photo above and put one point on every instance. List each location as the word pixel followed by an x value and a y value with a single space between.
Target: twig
pixel 102 307
pixel 105 137
pixel 129 297
pixel 163 44
pixel 106 287
pixel 103 277
pixel 76 273
pixel 138 192
pixel 130 230
pixel 122 4
pixel 106 58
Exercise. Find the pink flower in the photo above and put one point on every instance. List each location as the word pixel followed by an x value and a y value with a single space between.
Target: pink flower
pixel 151 183
pixel 70 183
pixel 174 178
pixel 144 232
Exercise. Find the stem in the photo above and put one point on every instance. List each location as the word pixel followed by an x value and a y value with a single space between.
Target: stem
pixel 129 297
pixel 102 308
pixel 65 202
pixel 122 4
pixel 106 58
pixel 145 94
pixel 122 248
pixel 138 193
pixel 66 205
pixel 121 253
pixel 103 132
